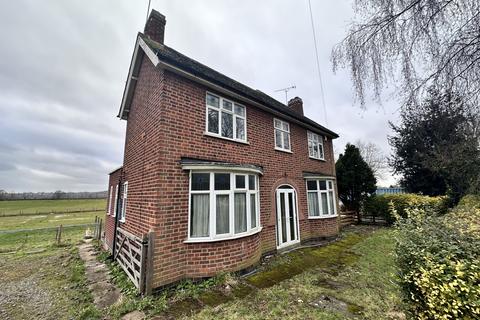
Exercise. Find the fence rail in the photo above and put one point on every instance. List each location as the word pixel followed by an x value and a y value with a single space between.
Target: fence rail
pixel 347 218
pixel 22 213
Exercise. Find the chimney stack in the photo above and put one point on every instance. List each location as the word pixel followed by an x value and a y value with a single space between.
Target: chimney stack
pixel 155 26
pixel 296 104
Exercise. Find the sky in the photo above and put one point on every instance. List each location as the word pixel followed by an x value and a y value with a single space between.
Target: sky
pixel 63 66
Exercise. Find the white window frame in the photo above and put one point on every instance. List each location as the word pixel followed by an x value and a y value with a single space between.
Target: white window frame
pixel 283 132
pixel 212 205
pixel 312 139
pixel 330 189
pixel 123 212
pixel 109 208
pixel 114 214
pixel 220 109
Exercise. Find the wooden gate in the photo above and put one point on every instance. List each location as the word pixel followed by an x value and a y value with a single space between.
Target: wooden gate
pixel 131 255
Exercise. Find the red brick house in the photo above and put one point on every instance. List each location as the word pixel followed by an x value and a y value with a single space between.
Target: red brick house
pixel 218 173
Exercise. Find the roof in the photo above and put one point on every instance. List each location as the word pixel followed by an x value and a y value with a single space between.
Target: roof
pixel 190 163
pixel 186 64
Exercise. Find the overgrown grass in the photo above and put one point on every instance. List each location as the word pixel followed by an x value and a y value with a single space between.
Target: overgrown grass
pixel 47 285
pixel 365 287
pixel 33 206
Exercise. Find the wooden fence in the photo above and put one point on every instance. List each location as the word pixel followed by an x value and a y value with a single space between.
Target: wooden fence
pixel 347 218
pixel 134 255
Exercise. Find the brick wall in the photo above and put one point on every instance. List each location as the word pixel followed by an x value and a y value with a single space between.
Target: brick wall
pixel 113 182
pixel 167 122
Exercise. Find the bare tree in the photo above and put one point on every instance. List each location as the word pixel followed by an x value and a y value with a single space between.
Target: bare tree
pixel 374 157
pixel 414 44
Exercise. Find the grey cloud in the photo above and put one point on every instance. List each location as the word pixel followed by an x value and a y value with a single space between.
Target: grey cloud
pixel 63 66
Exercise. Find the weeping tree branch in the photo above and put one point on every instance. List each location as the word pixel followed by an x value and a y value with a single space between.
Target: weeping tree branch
pixel 415 44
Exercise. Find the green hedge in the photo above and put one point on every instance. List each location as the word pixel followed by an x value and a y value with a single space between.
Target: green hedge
pixel 439 261
pixel 381 206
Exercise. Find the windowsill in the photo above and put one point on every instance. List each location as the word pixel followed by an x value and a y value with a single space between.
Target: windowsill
pixel 322 217
pixel 209 134
pixel 283 150
pixel 318 159
pixel 237 236
pixel 121 220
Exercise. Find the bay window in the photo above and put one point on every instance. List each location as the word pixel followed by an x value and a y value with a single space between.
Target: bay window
pixel 315 146
pixel 321 198
pixel 282 135
pixel 223 205
pixel 225 118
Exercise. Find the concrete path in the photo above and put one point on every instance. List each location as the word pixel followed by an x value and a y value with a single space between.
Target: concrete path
pixel 104 292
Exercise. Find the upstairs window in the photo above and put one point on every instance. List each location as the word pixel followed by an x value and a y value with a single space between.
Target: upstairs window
pixel 282 135
pixel 225 118
pixel 321 198
pixel 223 205
pixel 315 146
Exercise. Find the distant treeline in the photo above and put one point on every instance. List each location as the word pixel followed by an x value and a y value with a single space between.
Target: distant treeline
pixel 4 195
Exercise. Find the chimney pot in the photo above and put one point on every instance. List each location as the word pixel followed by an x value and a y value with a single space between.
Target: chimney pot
pixel 155 26
pixel 296 104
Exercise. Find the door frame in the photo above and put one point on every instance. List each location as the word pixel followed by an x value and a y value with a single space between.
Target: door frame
pixel 292 190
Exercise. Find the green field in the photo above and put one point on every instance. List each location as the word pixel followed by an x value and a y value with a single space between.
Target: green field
pixel 43 206
pixel 33 237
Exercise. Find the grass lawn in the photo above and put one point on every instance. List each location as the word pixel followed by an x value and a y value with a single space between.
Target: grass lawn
pixel 33 206
pixel 48 220
pixel 352 278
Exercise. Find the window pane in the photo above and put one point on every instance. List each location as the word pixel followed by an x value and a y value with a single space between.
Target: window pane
pixel 240 182
pixel 323 184
pixel 240 212
pixel 223 219
pixel 251 182
pixel 200 181
pixel 313 209
pixel 240 134
pixel 253 210
pixel 330 199
pixel 285 126
pixel 315 150
pixel 213 100
pixel 227 125
pixel 330 185
pixel 277 123
pixel 222 181
pixel 212 120
pixel 324 203
pixel 320 146
pixel 227 105
pixel 310 148
pixel 240 110
pixel 278 139
pixel 199 215
pixel 312 185
pixel 286 141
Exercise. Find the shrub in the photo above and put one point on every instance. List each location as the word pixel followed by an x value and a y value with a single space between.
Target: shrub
pixel 380 206
pixel 439 262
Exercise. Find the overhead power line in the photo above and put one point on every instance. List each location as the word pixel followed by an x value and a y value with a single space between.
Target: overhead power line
pixel 318 64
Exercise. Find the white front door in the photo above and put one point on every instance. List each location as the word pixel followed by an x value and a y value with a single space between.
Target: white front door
pixel 287 223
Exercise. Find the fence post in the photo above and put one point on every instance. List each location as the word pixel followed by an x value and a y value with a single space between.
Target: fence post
pixel 149 263
pixel 100 223
pixel 59 238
